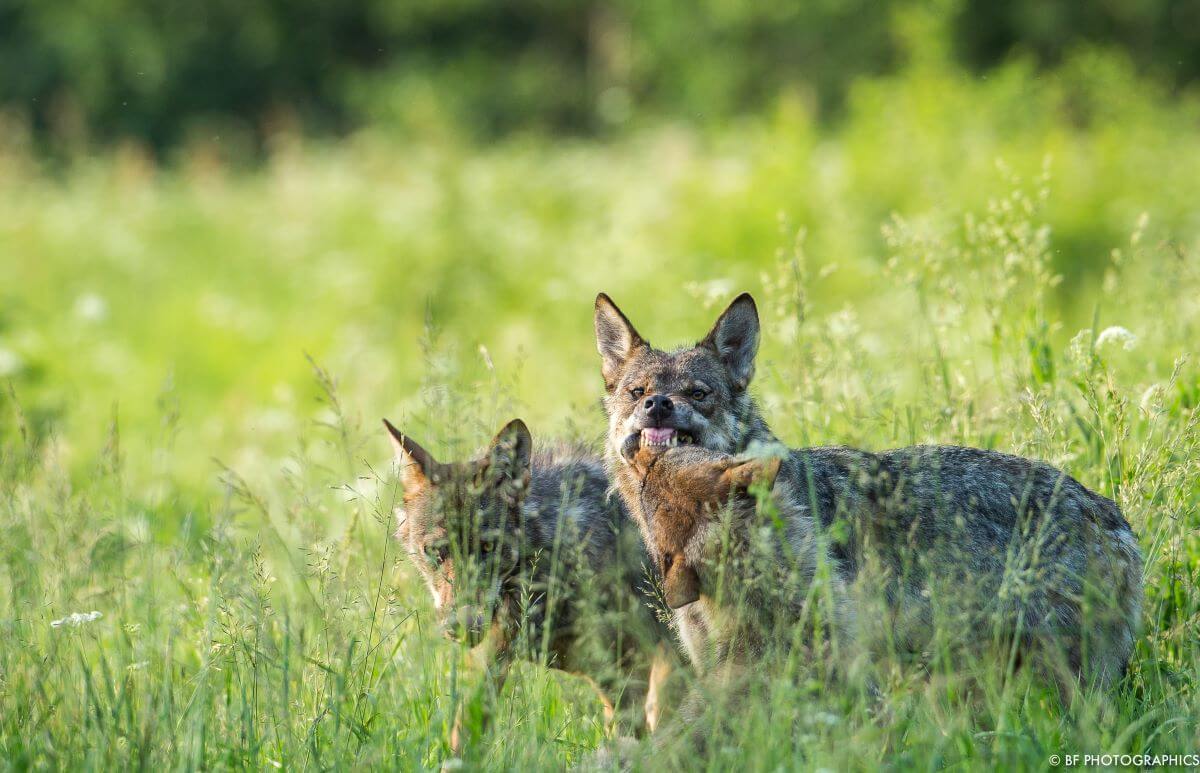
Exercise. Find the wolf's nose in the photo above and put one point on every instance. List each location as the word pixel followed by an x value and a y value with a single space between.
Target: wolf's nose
pixel 658 406
pixel 463 624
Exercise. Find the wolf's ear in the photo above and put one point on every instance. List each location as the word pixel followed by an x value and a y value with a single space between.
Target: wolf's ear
pixel 509 457
pixel 417 466
pixel 739 477
pixel 616 339
pixel 735 339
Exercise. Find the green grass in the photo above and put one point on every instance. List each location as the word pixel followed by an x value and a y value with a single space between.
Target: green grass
pixel 172 459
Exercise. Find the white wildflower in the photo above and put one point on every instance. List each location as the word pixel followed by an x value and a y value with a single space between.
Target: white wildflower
pixel 1140 229
pixel 10 362
pixel 711 292
pixel 1079 350
pixel 1151 398
pixel 76 619
pixel 1116 335
pixel 843 325
pixel 91 307
pixel 787 329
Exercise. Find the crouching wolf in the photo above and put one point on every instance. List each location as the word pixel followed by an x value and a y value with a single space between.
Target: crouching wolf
pixel 1025 552
pixel 526 555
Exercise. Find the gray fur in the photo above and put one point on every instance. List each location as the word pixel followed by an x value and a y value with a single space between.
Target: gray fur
pixel 1010 545
pixel 526 555
pixel 999 550
pixel 990 545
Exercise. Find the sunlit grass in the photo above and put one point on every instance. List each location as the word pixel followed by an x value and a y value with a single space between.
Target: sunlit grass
pixel 173 460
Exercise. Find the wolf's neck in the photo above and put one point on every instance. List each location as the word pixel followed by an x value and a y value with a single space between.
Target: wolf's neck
pixel 750 426
pixel 563 496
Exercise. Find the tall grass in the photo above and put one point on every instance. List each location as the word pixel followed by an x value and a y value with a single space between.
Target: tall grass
pixel 172 460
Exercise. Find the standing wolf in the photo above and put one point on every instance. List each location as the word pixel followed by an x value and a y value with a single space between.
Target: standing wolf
pixel 947 535
pixel 979 549
pixel 526 555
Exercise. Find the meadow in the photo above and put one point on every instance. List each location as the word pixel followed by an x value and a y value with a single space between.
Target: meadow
pixel 195 359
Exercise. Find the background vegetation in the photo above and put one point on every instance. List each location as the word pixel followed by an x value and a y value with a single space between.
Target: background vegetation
pixel 962 229
pixel 172 71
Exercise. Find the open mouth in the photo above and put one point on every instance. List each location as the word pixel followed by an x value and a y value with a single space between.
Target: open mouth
pixel 664 437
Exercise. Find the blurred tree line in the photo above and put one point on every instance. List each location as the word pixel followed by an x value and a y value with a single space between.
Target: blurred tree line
pixel 163 71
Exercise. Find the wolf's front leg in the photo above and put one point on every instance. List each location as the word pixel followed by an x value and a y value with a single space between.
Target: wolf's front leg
pixel 665 688
pixel 490 660
pixel 683 736
pixel 624 700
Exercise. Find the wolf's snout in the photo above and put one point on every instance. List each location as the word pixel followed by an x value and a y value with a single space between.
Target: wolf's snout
pixel 681 584
pixel 464 624
pixel 658 407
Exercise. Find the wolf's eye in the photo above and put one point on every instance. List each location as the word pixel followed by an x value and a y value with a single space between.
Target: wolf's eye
pixel 699 394
pixel 637 394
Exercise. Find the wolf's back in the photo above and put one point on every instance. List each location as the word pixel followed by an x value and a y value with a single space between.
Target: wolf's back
pixel 985 532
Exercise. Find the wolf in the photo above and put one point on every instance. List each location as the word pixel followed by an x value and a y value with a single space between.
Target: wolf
pixel 526 555
pixel 899 527
pixel 1001 552
pixel 742 584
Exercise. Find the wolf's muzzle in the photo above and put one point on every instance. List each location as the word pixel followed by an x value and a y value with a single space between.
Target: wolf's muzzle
pixel 463 624
pixel 657 408
pixel 681 584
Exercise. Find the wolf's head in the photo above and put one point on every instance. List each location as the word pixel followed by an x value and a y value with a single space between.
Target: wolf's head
pixel 458 524
pixel 683 490
pixel 691 396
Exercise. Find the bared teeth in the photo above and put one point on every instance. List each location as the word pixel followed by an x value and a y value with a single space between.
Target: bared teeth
pixel 659 437
pixel 664 437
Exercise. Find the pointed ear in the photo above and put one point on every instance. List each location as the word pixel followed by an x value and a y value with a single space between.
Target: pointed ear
pixel 418 468
pixel 739 477
pixel 735 339
pixel 616 339
pixel 510 457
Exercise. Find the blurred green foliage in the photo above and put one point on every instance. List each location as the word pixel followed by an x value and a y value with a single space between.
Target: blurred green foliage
pixel 162 71
pixel 124 280
pixel 1008 261
pixel 1161 36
